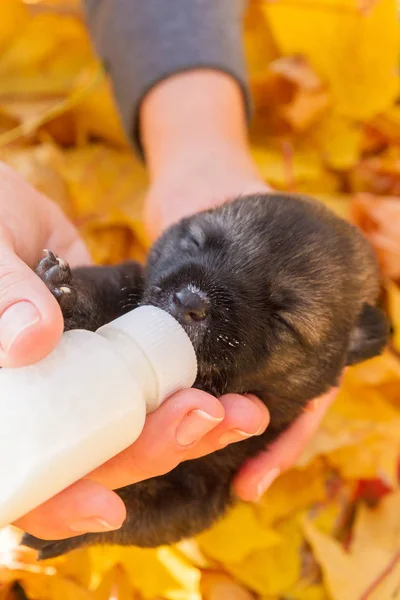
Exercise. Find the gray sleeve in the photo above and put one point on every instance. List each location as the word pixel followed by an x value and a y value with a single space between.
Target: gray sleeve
pixel 142 42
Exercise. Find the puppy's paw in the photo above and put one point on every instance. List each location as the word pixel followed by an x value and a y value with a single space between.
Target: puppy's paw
pixel 56 274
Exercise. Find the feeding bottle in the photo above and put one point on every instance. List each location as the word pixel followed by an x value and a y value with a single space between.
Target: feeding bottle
pixel 85 402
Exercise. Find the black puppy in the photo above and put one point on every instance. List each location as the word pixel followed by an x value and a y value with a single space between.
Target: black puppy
pixel 277 294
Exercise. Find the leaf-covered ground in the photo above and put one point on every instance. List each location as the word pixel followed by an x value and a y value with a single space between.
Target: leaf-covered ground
pixel 325 82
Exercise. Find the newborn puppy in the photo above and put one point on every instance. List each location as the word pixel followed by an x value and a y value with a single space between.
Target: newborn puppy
pixel 276 293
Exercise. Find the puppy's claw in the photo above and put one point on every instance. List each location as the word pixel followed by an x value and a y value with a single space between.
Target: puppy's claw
pixel 49 254
pixel 62 263
pixel 48 261
pixel 56 274
pixel 53 270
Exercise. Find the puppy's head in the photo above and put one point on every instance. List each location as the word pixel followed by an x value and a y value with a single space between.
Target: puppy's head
pixel 261 286
pixel 193 274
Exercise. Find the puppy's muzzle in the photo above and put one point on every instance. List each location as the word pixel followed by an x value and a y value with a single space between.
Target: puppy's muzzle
pixel 189 306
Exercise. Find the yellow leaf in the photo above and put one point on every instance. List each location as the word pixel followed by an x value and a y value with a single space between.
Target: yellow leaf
pixel 361 404
pixel 74 567
pixel 46 57
pixel 216 586
pixel 103 181
pixel 259 44
pixel 190 550
pixel 375 542
pixel 388 123
pixel 152 572
pixel 377 457
pixel 182 571
pixel 382 371
pixel 379 527
pixel 312 592
pixel 305 109
pixel 286 169
pixel 54 588
pixel 389 587
pixel 106 189
pixel 96 115
pixel 245 534
pixel 357 417
pixel 292 492
pixel 115 585
pixel 52 110
pixel 297 70
pixel 342 583
pixel 379 218
pixel 338 140
pixel 329 514
pixel 346 46
pixel 14 17
pixel 274 570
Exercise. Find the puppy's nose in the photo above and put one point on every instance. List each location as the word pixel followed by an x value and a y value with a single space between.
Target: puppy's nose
pixel 189 306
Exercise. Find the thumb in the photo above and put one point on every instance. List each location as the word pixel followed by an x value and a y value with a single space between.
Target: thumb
pixel 31 321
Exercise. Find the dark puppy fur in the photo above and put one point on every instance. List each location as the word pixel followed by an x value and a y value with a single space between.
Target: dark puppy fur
pixel 277 294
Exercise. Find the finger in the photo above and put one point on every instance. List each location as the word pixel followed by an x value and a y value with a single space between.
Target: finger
pixel 258 473
pixel 91 505
pixel 245 416
pixel 169 434
pixel 31 322
pixel 84 506
pixel 97 509
pixel 69 245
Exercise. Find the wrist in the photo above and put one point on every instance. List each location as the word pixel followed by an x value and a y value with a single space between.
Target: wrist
pixel 189 115
pixel 198 183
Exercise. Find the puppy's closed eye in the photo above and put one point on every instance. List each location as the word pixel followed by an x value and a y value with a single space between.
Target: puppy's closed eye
pixel 285 322
pixel 193 238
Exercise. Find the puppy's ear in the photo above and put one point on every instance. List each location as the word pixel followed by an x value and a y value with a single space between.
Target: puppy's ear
pixel 369 336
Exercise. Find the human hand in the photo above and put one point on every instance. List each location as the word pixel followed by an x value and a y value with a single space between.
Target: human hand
pixel 257 475
pixel 186 426
pixel 31 322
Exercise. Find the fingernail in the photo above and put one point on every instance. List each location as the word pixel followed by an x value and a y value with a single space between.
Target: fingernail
pixel 264 424
pixel 194 426
pixel 267 481
pixel 236 435
pixel 92 525
pixel 14 321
